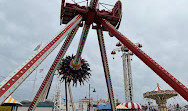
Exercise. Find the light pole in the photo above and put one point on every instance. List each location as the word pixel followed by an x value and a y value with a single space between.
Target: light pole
pixel 89 94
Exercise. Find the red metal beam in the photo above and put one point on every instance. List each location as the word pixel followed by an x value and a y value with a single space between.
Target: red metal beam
pixel 13 81
pixel 160 71
pixel 49 77
pixel 105 66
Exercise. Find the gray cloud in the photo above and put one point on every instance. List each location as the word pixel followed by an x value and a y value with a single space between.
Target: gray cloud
pixel 160 25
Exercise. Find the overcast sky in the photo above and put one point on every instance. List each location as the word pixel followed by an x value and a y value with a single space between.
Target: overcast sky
pixel 159 25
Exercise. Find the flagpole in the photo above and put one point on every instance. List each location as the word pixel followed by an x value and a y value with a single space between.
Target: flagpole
pixel 34 84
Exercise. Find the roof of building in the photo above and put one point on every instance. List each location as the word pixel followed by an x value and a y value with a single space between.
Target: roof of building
pixel 102 106
pixel 107 106
pixel 48 103
pixel 86 99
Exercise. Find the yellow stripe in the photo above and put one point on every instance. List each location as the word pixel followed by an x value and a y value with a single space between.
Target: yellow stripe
pixel 9 99
pixel 14 101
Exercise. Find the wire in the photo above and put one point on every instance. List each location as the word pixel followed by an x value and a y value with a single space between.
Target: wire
pixel 78 2
pixel 106 4
pixel 105 7
pixel 74 1
pixel 82 1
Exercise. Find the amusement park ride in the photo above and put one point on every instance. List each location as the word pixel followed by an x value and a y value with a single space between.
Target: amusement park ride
pixel 126 57
pixel 77 69
pixel 160 96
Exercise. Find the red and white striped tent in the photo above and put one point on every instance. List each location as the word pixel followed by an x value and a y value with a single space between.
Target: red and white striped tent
pixel 121 107
pixel 132 105
pixel 10 104
pixel 11 100
pixel 158 88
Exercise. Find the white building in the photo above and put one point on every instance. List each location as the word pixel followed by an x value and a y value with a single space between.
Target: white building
pixel 82 105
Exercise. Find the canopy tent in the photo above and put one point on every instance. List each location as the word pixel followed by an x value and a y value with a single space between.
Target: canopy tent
pixel 132 105
pixel 100 107
pixel 10 104
pixel 106 107
pixel 10 101
pixel 121 107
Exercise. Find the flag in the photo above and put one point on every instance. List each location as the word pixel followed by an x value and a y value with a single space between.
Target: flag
pixel 41 70
pixel 38 47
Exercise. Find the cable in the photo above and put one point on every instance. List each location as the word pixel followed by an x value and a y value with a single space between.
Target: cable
pixel 105 7
pixel 106 4
pixel 81 2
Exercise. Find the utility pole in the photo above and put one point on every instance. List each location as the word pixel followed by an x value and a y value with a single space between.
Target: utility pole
pixel 89 95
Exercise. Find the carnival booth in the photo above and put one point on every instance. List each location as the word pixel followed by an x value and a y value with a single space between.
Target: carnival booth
pixel 131 106
pixel 10 104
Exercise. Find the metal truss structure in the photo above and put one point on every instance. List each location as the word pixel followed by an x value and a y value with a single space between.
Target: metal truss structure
pixel 57 95
pixel 127 73
pixel 74 16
